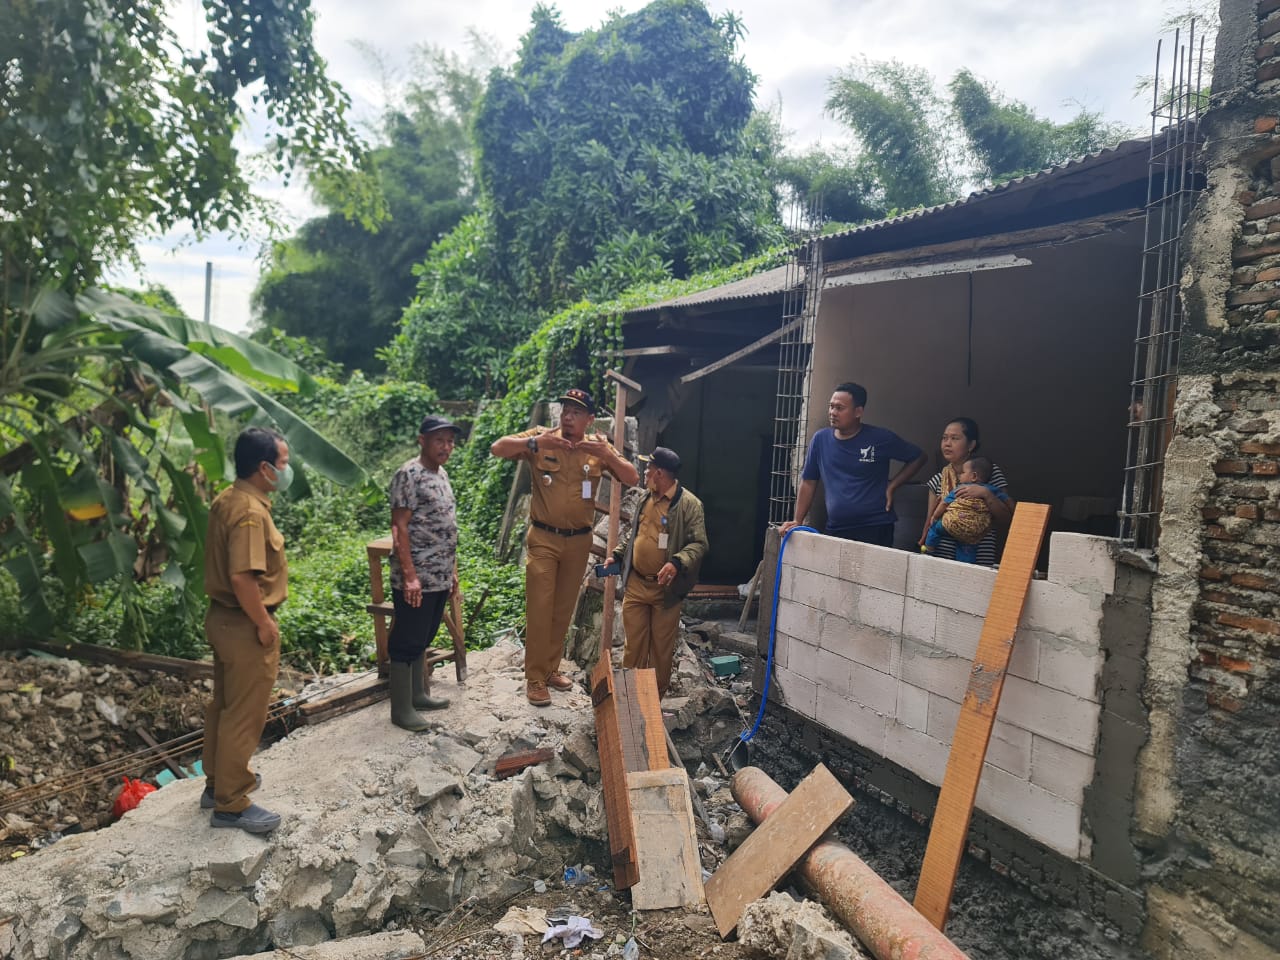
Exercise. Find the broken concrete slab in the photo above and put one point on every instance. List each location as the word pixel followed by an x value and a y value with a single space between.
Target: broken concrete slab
pixel 392 945
pixel 782 928
pixel 360 840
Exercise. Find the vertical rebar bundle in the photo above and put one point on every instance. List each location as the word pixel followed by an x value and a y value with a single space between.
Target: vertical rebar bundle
pixel 799 316
pixel 1175 178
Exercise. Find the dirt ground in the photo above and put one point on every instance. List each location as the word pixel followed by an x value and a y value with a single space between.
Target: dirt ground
pixel 663 934
pixel 55 719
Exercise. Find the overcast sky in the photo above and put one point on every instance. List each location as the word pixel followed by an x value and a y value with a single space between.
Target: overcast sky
pixel 1053 54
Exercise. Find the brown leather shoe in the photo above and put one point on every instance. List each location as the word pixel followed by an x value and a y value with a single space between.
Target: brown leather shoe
pixel 558 681
pixel 537 693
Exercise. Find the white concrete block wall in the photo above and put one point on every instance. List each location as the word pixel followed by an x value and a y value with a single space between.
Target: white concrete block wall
pixel 877 645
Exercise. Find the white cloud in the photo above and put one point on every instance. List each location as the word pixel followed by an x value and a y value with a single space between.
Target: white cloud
pixel 1053 56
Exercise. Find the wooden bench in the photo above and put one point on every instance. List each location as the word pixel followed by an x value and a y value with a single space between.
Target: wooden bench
pixel 384 612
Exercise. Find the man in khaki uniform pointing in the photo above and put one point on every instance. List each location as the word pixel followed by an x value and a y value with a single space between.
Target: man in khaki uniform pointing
pixel 567 463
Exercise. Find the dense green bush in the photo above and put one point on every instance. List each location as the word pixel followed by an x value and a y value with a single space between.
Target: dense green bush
pixel 324 626
pixel 97 616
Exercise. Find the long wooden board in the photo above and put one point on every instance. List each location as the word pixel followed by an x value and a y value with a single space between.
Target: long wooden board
pixel 346 699
pixel 666 840
pixel 630 737
pixel 951 817
pixel 776 846
pixel 613 777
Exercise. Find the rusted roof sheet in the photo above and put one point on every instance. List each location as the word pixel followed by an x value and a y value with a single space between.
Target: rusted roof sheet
pixel 758 286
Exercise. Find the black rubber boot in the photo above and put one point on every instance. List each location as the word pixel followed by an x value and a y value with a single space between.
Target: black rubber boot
pixel 422 699
pixel 402 712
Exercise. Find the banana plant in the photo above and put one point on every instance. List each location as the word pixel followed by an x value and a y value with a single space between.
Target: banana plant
pixel 95 392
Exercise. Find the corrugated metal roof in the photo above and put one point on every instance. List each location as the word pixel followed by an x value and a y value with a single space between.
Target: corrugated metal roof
pixel 773 282
pixel 1076 165
pixel 769 283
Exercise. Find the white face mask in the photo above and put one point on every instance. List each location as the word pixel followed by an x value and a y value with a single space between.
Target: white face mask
pixel 284 477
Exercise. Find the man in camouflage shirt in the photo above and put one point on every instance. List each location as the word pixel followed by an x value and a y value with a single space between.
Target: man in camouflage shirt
pixel 424 572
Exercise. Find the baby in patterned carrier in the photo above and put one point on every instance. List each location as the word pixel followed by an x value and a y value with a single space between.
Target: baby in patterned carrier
pixel 965 519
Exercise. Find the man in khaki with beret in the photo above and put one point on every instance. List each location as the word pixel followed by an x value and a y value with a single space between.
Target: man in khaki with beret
pixel 567 463
pixel 659 561
pixel 246 578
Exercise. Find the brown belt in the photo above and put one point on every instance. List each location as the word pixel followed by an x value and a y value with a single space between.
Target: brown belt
pixel 560 531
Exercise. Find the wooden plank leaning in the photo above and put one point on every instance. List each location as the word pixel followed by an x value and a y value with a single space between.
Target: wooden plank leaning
pixel 947 836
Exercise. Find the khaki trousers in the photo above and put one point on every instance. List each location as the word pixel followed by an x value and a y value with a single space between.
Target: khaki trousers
pixel 244 673
pixel 651 629
pixel 553 573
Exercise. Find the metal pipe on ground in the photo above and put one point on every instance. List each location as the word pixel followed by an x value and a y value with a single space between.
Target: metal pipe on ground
pixel 885 923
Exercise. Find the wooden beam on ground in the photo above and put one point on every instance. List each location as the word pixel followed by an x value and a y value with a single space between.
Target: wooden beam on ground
pixel 950 830
pixel 666 840
pixel 749 349
pixel 347 699
pixel 776 846
pixel 512 763
pixel 164 755
pixel 134 659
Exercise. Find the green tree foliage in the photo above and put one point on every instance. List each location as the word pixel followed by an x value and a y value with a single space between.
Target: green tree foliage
pixel 1007 139
pixel 906 150
pixel 346 285
pixel 613 157
pixel 109 130
pixel 465 320
pixel 839 184
pixel 634 127
pixel 899 121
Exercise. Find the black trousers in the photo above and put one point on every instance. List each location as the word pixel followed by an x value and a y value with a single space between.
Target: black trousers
pixel 415 627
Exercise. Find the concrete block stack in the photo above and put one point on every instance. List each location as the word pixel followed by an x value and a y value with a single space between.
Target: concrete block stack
pixel 876 645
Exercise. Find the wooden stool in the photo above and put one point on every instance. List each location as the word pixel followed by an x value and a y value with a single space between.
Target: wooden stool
pixel 384 612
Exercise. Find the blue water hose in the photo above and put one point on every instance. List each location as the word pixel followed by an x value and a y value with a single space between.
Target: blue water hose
pixel 773 637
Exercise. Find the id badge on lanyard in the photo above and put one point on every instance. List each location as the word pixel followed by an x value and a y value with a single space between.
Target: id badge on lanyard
pixel 662 537
pixel 586 482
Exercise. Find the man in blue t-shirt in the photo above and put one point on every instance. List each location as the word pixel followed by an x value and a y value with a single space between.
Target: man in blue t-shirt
pixel 851 458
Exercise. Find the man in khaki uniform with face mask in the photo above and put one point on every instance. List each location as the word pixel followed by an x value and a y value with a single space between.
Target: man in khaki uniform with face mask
pixel 246 578
pixel 567 463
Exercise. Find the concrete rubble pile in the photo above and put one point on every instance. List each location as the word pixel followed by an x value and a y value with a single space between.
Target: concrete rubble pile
pixel 376 820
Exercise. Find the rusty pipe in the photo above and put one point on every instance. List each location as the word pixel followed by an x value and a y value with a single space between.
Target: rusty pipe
pixel 886 924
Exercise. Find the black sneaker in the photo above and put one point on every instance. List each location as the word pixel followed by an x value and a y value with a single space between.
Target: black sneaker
pixel 207 802
pixel 252 819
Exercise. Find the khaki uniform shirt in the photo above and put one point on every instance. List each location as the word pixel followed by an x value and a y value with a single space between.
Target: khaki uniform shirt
pixel 559 498
pixel 649 557
pixel 243 539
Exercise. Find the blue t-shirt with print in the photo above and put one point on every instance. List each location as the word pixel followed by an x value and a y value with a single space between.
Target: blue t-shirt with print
pixel 855 474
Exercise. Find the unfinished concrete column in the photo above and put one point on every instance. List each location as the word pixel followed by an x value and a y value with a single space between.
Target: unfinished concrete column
pixel 1208 799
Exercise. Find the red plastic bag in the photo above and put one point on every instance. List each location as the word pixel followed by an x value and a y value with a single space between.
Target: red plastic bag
pixel 130 796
